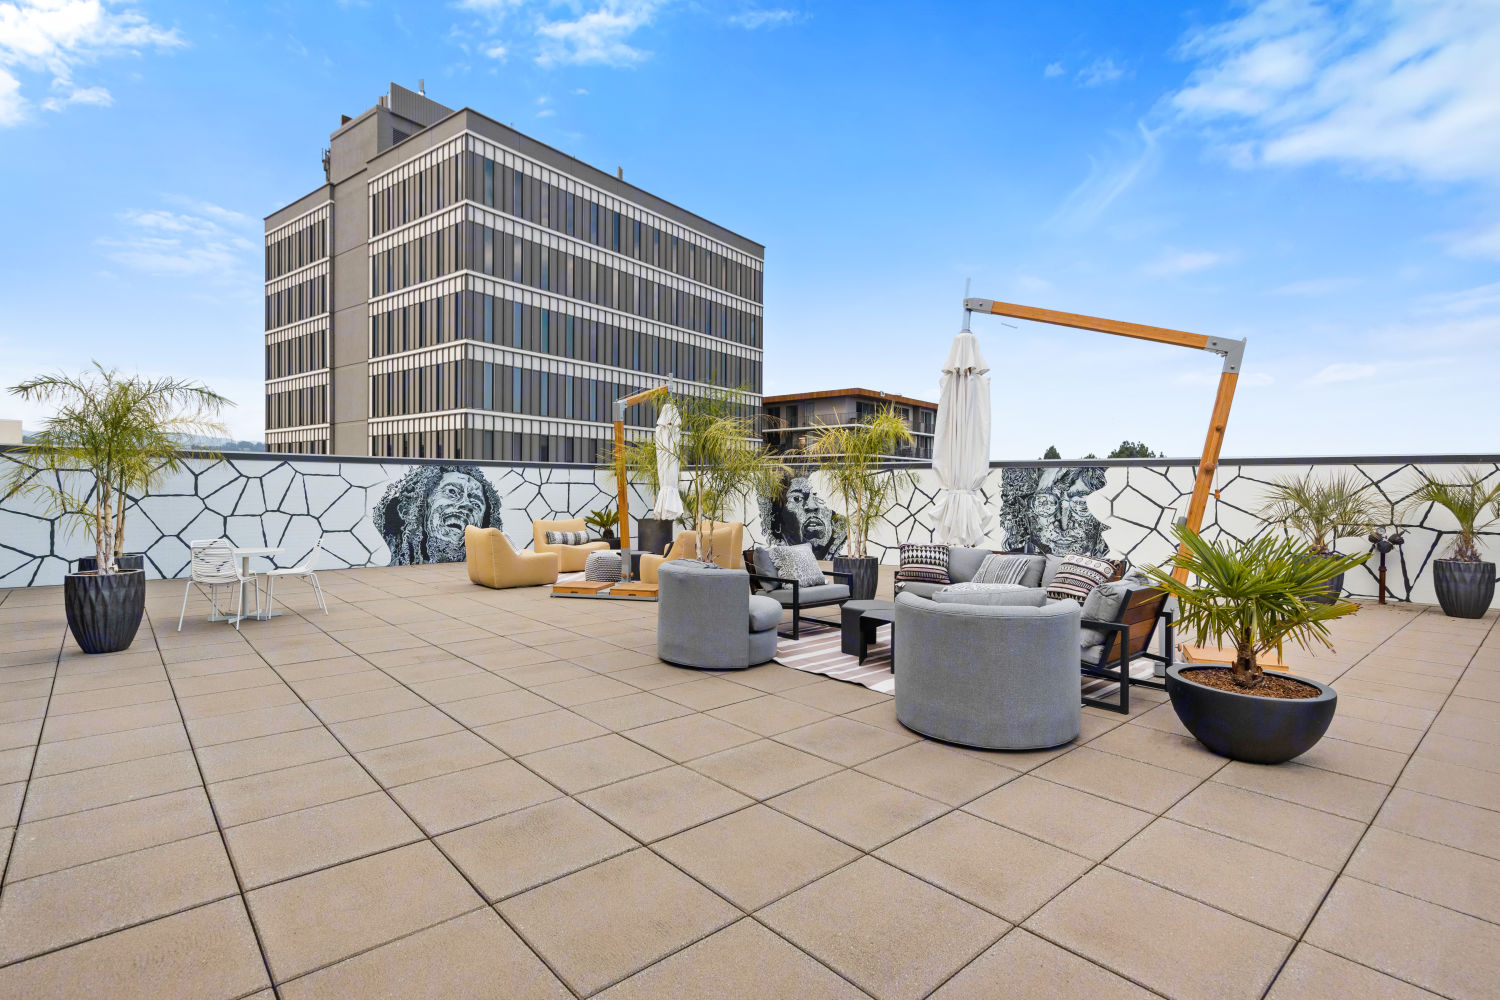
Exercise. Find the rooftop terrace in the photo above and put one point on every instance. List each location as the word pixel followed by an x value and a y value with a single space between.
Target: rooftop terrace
pixel 440 790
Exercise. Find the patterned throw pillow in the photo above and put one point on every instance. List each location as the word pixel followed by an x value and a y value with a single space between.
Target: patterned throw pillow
pixel 923 563
pixel 1000 568
pixel 1077 575
pixel 567 537
pixel 975 587
pixel 797 562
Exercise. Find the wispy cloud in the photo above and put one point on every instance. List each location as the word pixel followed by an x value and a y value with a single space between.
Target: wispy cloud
pixel 1174 263
pixel 1053 69
pixel 766 17
pixel 1343 371
pixel 601 36
pixel 54 38
pixel 1483 242
pixel 192 239
pixel 1109 177
pixel 1313 287
pixel 1100 72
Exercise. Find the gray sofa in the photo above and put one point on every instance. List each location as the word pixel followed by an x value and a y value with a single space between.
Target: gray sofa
pixel 963 563
pixel 1002 677
pixel 706 617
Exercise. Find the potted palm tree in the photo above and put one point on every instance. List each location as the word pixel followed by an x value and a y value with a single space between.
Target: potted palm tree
pixel 604 520
pixel 852 458
pixel 1322 510
pixel 1252 598
pixel 652 534
pixel 722 448
pixel 1464 582
pixel 112 438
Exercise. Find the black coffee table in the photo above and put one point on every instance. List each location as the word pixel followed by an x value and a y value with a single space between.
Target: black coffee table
pixel 860 619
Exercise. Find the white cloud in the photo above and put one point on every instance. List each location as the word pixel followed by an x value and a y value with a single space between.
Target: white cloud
pixel 1481 242
pixel 581 91
pixel 546 113
pixel 765 17
pixel 596 37
pixel 53 38
pixel 1179 262
pixel 1344 371
pixel 201 240
pixel 1099 72
pixel 1053 69
pixel 1317 286
pixel 495 50
pixel 1108 179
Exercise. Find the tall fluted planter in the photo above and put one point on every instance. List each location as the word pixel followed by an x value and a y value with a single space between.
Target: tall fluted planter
pixel 104 609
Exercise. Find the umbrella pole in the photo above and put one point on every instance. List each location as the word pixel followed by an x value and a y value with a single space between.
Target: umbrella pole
pixel 621 493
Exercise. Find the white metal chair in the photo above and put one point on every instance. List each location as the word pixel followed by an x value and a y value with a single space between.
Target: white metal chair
pixel 305 569
pixel 213 565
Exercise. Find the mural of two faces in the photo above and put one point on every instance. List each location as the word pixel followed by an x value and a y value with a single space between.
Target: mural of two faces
pixel 423 514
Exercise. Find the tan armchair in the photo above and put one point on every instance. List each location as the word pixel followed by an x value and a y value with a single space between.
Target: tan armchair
pixel 728 539
pixel 570 558
pixel 494 562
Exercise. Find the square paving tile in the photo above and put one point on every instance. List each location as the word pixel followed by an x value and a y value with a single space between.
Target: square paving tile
pixel 1065 817
pixel 600 925
pixel 1129 782
pixel 497 707
pixel 309 922
pixel 1021 966
pixel 845 741
pixel 857 809
pixel 523 849
pixel 271 793
pixel 78 838
pixel 448 801
pixel 267 753
pixel 248 725
pixel 363 704
pixel 1275 824
pixel 1444 821
pixel 755 856
pixel 398 727
pixel 1137 929
pixel 631 711
pixel 582 690
pixel 896 937
pixel 407 762
pixel 1002 871
pixel 835 697
pixel 577 767
pixel 1439 874
pixel 661 803
pixel 96 751
pixel 700 695
pixel 531 733
pixel 1313 974
pixel 690 736
pixel 76 791
pixel 938 772
pixel 744 961
pixel 1340 794
pixel 769 714
pixel 1453 781
pixel 763 768
pixel 295 843
pixel 1163 749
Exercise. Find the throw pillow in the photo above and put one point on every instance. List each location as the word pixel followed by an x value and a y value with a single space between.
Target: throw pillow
pixel 999 568
pixel 1077 575
pixel 923 563
pixel 979 588
pixel 797 562
pixel 764 563
pixel 1102 604
pixel 1008 597
pixel 567 537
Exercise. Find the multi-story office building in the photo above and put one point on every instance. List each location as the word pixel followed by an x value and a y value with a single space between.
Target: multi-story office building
pixel 459 290
pixel 795 417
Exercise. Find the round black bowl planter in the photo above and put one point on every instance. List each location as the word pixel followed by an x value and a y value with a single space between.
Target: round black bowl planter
pixel 1249 727
pixel 1464 589
pixel 104 609
pixel 866 573
pixel 653 534
pixel 130 560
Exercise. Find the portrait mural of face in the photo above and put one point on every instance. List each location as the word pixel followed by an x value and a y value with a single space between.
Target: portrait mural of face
pixel 1047 511
pixel 800 515
pixel 423 514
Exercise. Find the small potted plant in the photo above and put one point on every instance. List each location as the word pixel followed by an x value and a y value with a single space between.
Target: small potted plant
pixel 1251 598
pixel 604 521
pixel 112 438
pixel 1322 510
pixel 1464 581
pixel 853 459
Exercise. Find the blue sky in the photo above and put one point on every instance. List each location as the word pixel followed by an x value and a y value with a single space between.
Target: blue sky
pixel 1323 179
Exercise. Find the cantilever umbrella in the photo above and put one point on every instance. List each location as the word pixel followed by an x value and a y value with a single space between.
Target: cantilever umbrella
pixel 668 505
pixel 961 446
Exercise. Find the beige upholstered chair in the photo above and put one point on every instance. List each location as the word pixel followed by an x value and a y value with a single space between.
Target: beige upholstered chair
pixel 494 562
pixel 728 544
pixel 570 558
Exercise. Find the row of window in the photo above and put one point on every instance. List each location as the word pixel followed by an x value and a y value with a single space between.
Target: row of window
pixel 297 407
pixel 516 193
pixel 302 300
pixel 493 446
pixel 318 447
pixel 497 320
pixel 295 355
pixel 298 248
pixel 468 245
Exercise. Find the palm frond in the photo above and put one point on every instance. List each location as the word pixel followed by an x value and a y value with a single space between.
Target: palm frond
pixel 1324 509
pixel 1473 503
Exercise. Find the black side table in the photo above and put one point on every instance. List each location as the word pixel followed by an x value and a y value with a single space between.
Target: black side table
pixel 868 623
pixel 855 641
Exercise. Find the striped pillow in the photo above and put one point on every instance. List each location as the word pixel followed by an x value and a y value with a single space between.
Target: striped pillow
pixel 567 537
pixel 923 564
pixel 1078 575
pixel 1000 568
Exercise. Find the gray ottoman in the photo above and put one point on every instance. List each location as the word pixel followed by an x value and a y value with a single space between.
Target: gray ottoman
pixel 602 567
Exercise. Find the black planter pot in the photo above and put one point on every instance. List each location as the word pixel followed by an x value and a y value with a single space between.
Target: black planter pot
pixel 866 572
pixel 1464 589
pixel 104 610
pixel 1248 727
pixel 130 560
pixel 1335 584
pixel 653 535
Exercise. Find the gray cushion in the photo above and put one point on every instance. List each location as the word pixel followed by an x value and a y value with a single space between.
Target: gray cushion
pixel 921 588
pixel 963 563
pixel 1092 653
pixel 1001 568
pixel 1033 575
pixel 1103 605
pixel 763 564
pixel 797 562
pixel 809 595
pixel 1049 570
pixel 1006 597
pixel 764 613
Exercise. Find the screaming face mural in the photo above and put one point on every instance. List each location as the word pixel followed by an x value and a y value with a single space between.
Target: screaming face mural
pixel 423 514
pixel 1047 510
pixel 800 515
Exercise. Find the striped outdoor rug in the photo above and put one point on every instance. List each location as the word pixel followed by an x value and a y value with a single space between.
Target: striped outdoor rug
pixel 818 652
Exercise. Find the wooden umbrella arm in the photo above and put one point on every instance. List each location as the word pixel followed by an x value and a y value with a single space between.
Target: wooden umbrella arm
pixel 621 492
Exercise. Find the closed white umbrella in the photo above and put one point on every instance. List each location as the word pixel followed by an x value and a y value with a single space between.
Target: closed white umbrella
pixel 668 505
pixel 961 445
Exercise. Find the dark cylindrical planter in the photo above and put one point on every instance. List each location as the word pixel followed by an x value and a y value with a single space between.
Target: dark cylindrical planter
pixel 866 573
pixel 104 609
pixel 1335 584
pixel 1464 589
pixel 1249 727
pixel 653 535
pixel 130 560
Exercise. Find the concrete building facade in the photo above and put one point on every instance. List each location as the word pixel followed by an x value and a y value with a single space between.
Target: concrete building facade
pixel 459 290
pixel 795 417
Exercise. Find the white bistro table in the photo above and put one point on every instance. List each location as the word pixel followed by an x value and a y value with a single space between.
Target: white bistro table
pixel 244 555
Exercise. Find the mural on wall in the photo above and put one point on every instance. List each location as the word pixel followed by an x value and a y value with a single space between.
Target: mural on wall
pixel 422 515
pixel 1047 510
pixel 800 515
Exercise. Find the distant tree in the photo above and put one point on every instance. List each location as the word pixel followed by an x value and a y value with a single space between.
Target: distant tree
pixel 1091 455
pixel 1051 452
pixel 1133 449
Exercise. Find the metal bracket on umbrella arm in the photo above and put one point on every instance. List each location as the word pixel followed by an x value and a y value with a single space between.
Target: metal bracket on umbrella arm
pixel 1231 350
pixel 621 493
